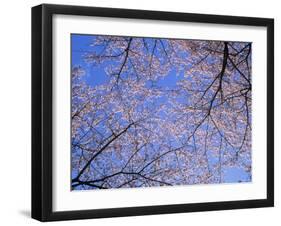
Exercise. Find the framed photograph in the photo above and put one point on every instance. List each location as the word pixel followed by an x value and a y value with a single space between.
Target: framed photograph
pixel 146 112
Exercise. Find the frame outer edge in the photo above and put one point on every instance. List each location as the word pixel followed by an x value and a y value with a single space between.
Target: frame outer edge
pixel 37 161
pixel 42 112
pixel 47 112
pixel 270 112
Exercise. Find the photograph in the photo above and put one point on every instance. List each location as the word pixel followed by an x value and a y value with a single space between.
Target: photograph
pixel 157 111
pixel 138 113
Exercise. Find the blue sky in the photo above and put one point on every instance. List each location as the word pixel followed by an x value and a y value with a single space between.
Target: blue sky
pixel 81 46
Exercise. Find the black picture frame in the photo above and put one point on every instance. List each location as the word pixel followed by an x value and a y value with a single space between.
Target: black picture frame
pixel 42 86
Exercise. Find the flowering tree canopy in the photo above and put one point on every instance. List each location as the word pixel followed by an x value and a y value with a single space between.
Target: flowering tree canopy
pixel 165 112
